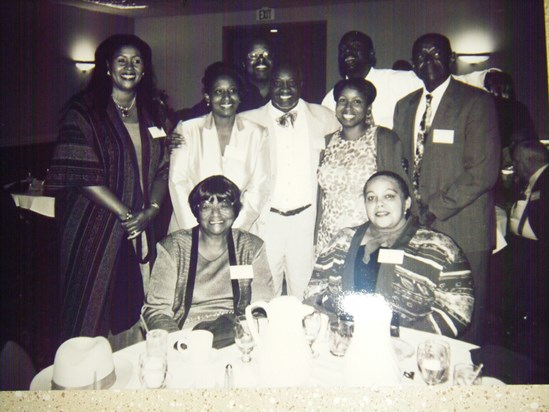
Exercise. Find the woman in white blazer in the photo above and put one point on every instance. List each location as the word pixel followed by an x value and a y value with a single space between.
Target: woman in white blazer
pixel 220 143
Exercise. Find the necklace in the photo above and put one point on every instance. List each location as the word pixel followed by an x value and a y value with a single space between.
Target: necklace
pixel 124 111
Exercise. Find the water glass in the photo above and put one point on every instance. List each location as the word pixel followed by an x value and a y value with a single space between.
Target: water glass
pixel 466 374
pixel 341 332
pixel 157 342
pixel 433 361
pixel 152 370
pixel 243 338
pixel 311 327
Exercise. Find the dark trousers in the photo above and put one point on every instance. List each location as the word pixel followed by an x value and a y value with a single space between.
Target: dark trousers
pixel 479 262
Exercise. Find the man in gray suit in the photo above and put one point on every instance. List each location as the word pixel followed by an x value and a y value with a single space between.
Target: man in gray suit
pixel 296 138
pixel 450 140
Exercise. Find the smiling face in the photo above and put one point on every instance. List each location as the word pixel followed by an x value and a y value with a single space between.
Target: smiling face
pixel 224 96
pixel 259 61
pixel 126 68
pixel 432 58
pixel 385 203
pixel 353 56
pixel 285 88
pixel 351 107
pixel 215 217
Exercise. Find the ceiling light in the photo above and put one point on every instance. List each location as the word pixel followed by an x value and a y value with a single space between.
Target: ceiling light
pixel 120 4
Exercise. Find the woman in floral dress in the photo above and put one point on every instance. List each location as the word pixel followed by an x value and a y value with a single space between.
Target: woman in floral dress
pixel 352 155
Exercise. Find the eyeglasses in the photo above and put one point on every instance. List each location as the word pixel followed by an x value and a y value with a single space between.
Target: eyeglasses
pixel 225 206
pixel 252 56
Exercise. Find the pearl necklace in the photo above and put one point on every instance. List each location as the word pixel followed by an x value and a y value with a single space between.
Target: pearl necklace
pixel 124 111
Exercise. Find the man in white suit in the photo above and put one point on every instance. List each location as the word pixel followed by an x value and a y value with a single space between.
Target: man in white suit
pixel 296 138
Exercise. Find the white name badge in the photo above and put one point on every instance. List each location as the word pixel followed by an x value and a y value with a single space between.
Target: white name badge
pixel 242 272
pixel 157 132
pixel 443 136
pixel 393 256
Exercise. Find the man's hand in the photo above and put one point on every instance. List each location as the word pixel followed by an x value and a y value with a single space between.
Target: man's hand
pixel 426 218
pixel 174 141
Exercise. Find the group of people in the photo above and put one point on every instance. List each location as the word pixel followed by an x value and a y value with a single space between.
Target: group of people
pixel 279 197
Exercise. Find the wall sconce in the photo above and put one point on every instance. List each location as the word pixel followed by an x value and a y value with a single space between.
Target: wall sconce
pixel 473 58
pixel 84 66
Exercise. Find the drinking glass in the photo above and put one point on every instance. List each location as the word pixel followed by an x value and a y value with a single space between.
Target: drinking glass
pixel 243 338
pixel 152 370
pixel 341 332
pixel 433 361
pixel 157 342
pixel 466 374
pixel 311 327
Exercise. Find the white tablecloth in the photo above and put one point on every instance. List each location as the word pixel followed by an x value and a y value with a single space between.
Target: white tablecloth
pixel 43 205
pixel 327 370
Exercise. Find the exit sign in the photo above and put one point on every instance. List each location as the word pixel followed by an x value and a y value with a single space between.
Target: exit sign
pixel 265 13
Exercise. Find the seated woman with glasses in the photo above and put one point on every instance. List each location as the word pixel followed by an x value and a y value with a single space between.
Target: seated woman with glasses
pixel 422 273
pixel 210 270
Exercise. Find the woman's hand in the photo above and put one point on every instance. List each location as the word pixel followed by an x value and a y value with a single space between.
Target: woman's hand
pixel 174 141
pixel 139 221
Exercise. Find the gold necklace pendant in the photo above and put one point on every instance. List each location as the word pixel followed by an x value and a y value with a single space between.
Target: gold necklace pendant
pixel 124 111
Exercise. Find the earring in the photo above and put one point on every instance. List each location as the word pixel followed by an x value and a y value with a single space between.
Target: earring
pixel 108 73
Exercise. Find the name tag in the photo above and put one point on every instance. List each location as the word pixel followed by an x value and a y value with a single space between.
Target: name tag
pixel 157 132
pixel 535 195
pixel 443 136
pixel 242 272
pixel 393 256
pixel 234 153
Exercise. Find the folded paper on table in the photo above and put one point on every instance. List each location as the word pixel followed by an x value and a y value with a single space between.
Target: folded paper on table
pixel 44 205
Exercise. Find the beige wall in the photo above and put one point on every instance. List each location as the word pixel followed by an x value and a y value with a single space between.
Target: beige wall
pixel 39 39
pixel 184 45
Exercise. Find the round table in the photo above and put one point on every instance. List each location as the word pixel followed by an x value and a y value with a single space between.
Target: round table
pixel 327 370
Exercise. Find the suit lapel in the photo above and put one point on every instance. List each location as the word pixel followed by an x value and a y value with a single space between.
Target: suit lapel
pixel 446 103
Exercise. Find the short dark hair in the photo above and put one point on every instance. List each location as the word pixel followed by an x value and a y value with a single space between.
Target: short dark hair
pixel 288 65
pixel 534 148
pixel 444 41
pixel 392 175
pixel 218 186
pixel 363 37
pixel 366 40
pixel 218 69
pixel 362 85
pixel 402 65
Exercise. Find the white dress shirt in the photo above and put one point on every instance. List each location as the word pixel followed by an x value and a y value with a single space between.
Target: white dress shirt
pixel 519 208
pixel 435 102
pixel 292 187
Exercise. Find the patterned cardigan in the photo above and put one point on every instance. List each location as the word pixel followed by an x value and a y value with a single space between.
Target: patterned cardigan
pixel 432 289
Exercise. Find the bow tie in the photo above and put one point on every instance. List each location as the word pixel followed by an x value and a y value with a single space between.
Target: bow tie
pixel 283 120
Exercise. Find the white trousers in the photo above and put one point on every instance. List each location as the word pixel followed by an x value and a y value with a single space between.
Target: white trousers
pixel 290 250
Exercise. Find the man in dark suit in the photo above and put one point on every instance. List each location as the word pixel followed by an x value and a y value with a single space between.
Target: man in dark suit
pixel 451 144
pixel 529 247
